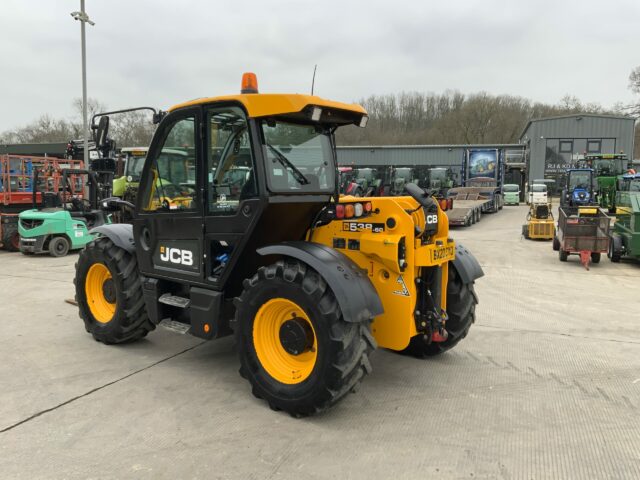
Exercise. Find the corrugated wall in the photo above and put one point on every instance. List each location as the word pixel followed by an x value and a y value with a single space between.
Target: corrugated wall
pixel 409 155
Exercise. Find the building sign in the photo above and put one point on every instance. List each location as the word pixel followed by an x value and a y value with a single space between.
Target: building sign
pixel 554 162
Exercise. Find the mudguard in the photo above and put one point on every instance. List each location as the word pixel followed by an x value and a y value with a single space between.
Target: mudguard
pixel 356 295
pixel 466 265
pixel 119 233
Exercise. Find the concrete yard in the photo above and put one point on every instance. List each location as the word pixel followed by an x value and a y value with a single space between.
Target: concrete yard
pixel 546 385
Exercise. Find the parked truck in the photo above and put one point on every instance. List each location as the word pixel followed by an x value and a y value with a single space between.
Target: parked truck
pixel 484 169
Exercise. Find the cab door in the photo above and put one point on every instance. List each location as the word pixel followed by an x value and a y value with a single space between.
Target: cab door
pixel 169 224
pixel 232 205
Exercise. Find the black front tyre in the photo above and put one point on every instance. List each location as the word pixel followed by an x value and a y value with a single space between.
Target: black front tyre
pixel 556 243
pixel 295 347
pixel 109 293
pixel 59 246
pixel 595 257
pixel 563 255
pixel 461 309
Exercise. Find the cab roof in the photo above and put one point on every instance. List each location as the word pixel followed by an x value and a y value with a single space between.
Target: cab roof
pixel 267 104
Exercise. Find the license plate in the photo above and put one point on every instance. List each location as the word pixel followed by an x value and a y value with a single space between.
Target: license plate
pixel 439 254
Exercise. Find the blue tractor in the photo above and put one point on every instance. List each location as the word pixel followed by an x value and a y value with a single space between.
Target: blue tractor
pixel 578 188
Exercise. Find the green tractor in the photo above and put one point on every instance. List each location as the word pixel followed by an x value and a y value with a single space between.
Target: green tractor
pixel 126 185
pixel 606 167
pixel 625 234
pixel 63 220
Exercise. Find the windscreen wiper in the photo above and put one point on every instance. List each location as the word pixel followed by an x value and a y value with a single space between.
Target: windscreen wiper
pixel 285 162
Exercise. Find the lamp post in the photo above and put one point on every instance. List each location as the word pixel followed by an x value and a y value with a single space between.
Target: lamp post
pixel 83 18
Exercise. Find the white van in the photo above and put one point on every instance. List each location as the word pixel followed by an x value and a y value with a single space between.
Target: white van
pixel 537 193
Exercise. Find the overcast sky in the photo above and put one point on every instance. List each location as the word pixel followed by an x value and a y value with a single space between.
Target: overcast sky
pixel 161 52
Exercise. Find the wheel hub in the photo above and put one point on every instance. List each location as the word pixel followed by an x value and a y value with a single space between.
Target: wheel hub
pixel 109 290
pixel 284 340
pixel 296 336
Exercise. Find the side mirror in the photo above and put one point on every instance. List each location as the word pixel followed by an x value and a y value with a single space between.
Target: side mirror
pixel 113 204
pixel 101 132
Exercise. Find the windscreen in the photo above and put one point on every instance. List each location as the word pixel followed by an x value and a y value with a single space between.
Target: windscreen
pixel 299 157
pixel 134 167
pixel 539 188
pixel 510 188
pixel 404 173
pixel 579 180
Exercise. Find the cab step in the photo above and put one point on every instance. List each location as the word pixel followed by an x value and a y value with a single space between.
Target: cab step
pixel 177 327
pixel 174 300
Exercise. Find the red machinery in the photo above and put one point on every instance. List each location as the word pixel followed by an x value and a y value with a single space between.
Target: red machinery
pixel 17 192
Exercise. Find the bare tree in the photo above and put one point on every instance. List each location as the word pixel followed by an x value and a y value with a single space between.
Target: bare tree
pixel 128 129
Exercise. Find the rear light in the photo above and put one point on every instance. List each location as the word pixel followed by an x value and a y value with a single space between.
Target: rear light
pixel 368 207
pixel 358 209
pixel 443 204
pixel 449 203
pixel 349 210
pixel 339 211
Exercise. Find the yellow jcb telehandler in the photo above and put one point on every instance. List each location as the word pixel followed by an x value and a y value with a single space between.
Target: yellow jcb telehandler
pixel 262 247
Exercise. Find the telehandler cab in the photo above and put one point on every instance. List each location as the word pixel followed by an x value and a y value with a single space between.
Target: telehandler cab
pixel 309 284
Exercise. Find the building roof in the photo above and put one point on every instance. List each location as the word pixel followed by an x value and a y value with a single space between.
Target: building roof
pixel 265 104
pixel 558 117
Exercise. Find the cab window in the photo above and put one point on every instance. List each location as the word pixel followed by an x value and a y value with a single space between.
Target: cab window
pixel 230 166
pixel 171 181
pixel 299 157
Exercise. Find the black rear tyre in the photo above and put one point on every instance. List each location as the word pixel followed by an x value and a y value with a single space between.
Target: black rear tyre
pixel 11 237
pixel 595 257
pixel 615 244
pixel 563 255
pixel 59 246
pixel 461 309
pixel 556 243
pixel 341 349
pixel 113 312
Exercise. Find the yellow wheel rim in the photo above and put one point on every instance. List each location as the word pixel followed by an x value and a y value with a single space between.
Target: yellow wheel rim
pixel 277 360
pixel 100 291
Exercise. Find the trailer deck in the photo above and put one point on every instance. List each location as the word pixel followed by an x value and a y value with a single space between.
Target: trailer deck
pixel 468 205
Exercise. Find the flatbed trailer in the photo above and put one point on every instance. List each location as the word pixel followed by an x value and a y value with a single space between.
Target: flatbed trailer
pixel 468 206
pixel 466 212
pixel 582 231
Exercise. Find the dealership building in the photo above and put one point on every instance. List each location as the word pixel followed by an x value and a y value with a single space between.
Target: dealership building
pixel 553 144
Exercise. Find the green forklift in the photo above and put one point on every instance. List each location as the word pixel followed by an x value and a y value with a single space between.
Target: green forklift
pixel 62 221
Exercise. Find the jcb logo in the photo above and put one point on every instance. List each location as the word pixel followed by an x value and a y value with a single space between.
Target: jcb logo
pixel 431 219
pixel 176 255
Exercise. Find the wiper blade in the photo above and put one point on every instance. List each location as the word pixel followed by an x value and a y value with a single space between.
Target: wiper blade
pixel 285 162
